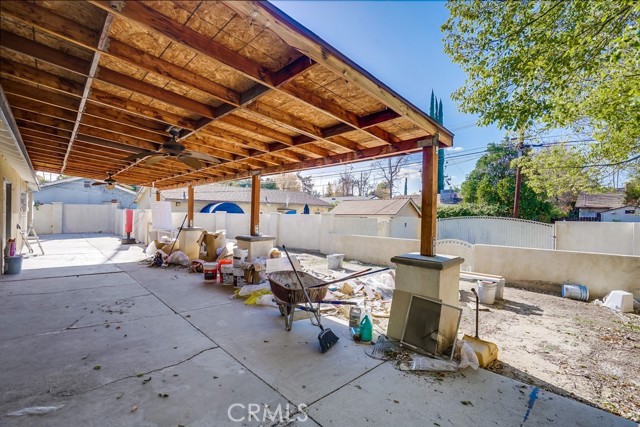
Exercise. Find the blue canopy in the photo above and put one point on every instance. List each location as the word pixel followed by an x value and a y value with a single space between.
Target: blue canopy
pixel 222 207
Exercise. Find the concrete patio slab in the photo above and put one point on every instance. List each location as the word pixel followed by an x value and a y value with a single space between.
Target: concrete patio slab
pixel 179 289
pixel 290 361
pixel 163 322
pixel 65 363
pixel 30 314
pixel 205 390
pixel 18 285
pixel 469 398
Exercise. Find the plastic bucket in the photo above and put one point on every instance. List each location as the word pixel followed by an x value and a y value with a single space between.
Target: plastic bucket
pixel 210 271
pixel 577 292
pixel 239 256
pixel 13 263
pixel 486 292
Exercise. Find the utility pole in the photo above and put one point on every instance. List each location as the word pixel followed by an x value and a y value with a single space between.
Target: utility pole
pixel 516 198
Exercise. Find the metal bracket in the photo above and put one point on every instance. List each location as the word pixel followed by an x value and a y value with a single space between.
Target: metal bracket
pixel 430 142
pixel 117 5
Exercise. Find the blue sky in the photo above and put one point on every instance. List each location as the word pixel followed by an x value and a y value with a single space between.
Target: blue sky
pixel 400 43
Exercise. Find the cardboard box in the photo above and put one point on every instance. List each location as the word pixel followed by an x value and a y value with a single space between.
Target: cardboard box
pixel 210 243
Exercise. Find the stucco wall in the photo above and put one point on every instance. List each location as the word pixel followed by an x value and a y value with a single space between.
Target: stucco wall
pixel 405 227
pixel 18 186
pixel 355 225
pixel 609 238
pixel 600 272
pixel 376 250
pixel 89 218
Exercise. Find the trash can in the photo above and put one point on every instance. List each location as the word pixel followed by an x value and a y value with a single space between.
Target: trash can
pixel 13 264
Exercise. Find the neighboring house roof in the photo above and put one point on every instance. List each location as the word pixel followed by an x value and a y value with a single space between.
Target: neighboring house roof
pixel 373 207
pixel 227 193
pixel 73 178
pixel 339 199
pixel 600 201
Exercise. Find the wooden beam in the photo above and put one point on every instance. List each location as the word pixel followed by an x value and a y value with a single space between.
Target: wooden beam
pixel 381 151
pixel 268 16
pixel 156 21
pixel 20 71
pixel 40 94
pixel 190 197
pixel 255 205
pixel 429 199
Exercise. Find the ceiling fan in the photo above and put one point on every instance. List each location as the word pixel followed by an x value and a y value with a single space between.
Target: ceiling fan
pixel 174 150
pixel 109 182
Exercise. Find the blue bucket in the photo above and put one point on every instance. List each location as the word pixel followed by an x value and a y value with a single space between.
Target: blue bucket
pixel 577 292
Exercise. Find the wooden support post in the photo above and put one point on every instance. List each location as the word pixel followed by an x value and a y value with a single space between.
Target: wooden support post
pixel 429 198
pixel 255 205
pixel 157 195
pixel 190 198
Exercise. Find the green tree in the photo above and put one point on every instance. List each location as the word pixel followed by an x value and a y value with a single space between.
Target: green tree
pixel 561 64
pixel 557 172
pixel 632 191
pixel 492 183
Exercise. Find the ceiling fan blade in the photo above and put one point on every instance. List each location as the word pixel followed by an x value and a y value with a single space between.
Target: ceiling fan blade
pixel 157 158
pixel 202 156
pixel 191 162
pixel 137 156
pixel 98 183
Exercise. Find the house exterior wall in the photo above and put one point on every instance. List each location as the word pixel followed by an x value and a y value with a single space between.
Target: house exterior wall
pixel 408 211
pixel 18 186
pixel 589 212
pixel 75 193
pixel 621 215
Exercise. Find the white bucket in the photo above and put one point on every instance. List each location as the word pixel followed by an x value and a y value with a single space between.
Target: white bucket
pixel 210 271
pixel 239 256
pixel 577 292
pixel 486 292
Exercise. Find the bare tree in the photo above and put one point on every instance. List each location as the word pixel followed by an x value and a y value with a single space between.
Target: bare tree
pixel 287 182
pixel 346 183
pixel 364 184
pixel 390 170
pixel 307 183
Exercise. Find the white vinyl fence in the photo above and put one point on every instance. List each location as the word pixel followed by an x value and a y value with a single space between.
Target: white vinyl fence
pixel 498 231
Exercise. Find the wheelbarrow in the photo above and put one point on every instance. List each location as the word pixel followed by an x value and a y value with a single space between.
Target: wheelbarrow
pixel 289 295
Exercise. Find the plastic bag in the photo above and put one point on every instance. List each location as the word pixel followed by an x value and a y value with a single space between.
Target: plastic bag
pixel 421 363
pixel 151 249
pixel 467 356
pixel 34 410
pixel 179 258
pixel 253 298
pixel 249 289
pixel 266 299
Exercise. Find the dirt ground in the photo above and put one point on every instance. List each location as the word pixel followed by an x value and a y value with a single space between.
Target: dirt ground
pixel 572 348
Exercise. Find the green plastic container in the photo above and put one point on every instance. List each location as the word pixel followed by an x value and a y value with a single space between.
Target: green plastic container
pixel 366 328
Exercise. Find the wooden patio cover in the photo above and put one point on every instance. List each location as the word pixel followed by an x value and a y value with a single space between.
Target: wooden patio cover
pixel 91 83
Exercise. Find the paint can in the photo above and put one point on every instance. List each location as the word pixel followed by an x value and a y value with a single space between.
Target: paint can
pixel 227 274
pixel 577 292
pixel 210 271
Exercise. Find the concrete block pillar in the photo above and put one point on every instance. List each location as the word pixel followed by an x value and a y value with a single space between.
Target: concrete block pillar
pixel 435 277
pixel 258 246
